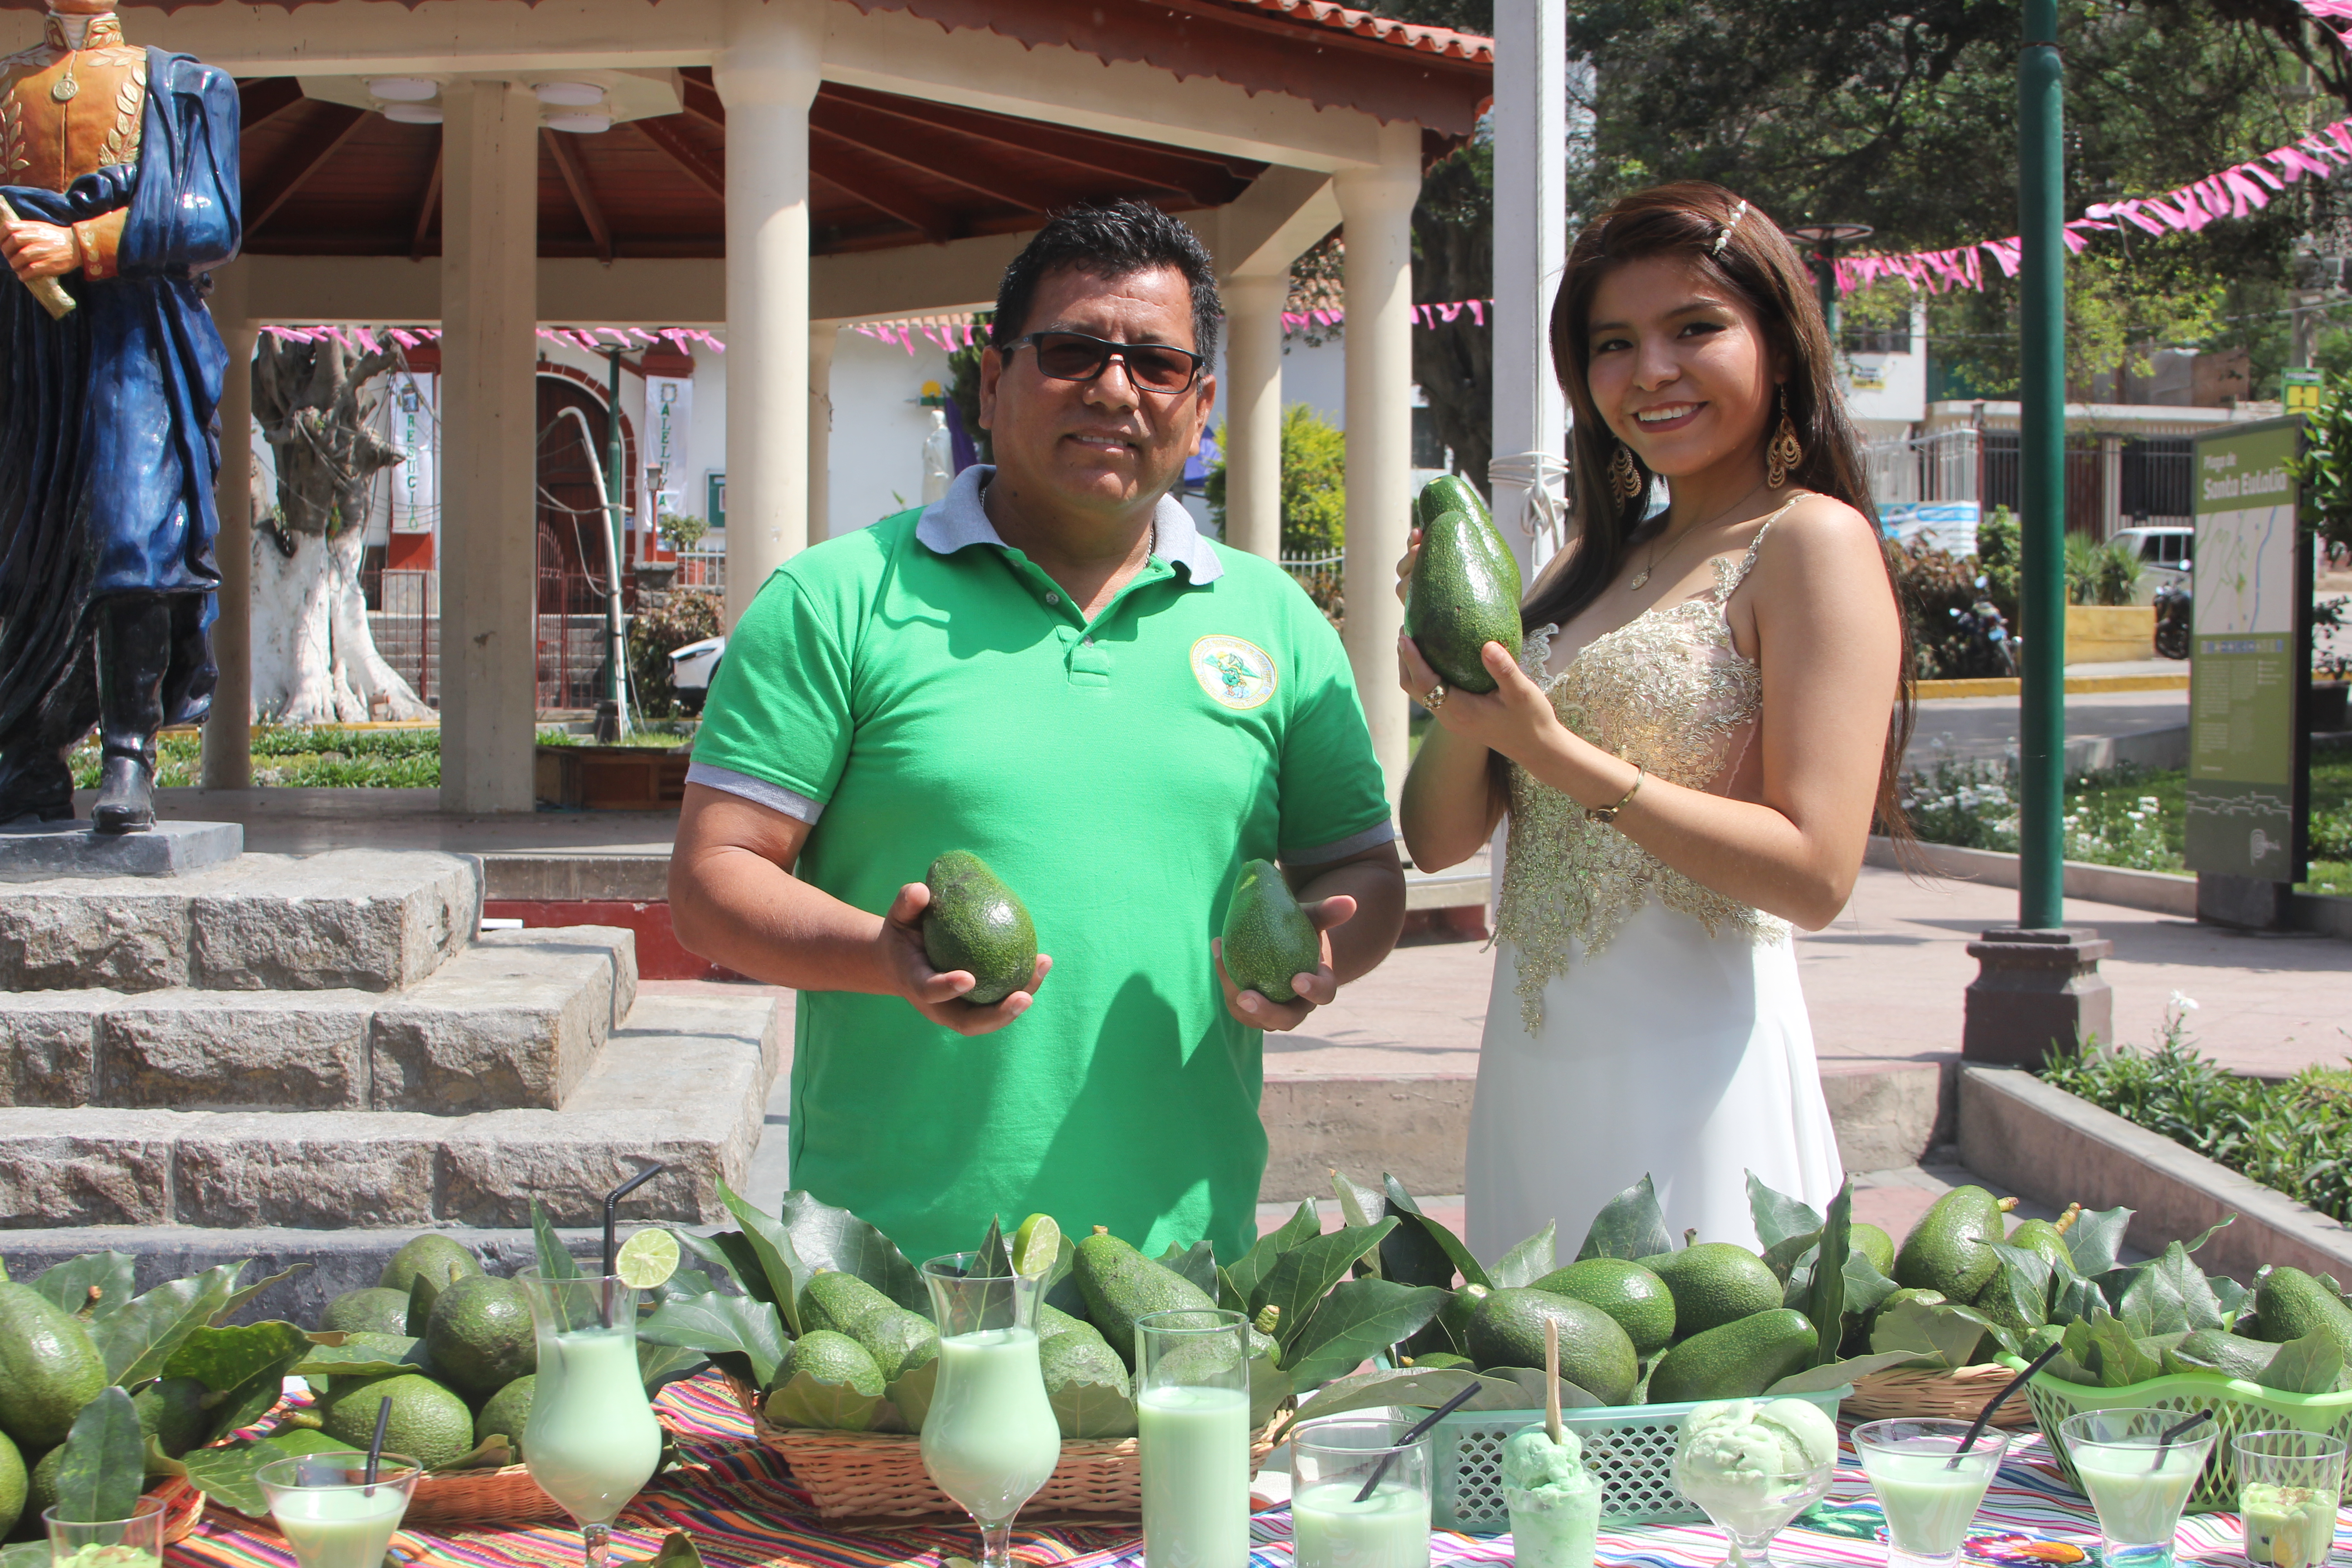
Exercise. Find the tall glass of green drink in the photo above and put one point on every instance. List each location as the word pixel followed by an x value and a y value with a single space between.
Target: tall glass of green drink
pixel 989 1439
pixel 592 1441
pixel 1191 1410
pixel 328 1511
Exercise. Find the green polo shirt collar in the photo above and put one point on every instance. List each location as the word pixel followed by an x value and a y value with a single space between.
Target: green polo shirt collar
pixel 959 519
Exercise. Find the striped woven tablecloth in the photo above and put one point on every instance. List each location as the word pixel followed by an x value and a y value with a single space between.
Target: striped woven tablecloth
pixel 742 1508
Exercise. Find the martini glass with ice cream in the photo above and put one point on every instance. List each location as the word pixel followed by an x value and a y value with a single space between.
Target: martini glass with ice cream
pixel 1754 1465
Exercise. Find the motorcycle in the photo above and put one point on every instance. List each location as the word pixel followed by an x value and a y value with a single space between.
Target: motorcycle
pixel 2173 602
pixel 1984 632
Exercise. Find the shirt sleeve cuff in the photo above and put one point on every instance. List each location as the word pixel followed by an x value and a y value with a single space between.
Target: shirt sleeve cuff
pixel 1355 844
pixel 759 791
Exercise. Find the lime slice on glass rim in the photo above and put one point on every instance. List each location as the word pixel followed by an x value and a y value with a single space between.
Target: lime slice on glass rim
pixel 1037 1247
pixel 646 1260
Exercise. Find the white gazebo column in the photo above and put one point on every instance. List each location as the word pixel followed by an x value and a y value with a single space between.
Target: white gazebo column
pixel 766 73
pixel 1530 250
pixel 228 733
pixel 1253 396
pixel 822 337
pixel 490 415
pixel 1376 206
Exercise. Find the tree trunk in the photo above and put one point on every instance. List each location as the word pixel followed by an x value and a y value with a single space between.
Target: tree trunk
pixel 314 659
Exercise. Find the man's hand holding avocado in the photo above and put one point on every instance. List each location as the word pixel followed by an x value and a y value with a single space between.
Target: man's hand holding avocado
pixel 938 994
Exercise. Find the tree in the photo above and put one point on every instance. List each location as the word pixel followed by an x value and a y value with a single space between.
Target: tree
pixel 314 659
pixel 1314 484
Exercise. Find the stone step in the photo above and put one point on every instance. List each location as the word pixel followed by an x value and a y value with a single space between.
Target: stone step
pixel 684 1082
pixel 360 919
pixel 515 1021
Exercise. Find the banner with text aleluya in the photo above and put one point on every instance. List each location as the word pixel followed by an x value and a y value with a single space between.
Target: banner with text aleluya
pixel 2248 629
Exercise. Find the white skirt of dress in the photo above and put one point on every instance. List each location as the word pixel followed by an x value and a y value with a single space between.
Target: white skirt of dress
pixel 1671 1053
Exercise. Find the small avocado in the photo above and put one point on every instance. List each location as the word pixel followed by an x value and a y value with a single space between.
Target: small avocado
pixel 508 1413
pixel 438 1258
pixel 1074 1357
pixel 977 924
pixel 13 1485
pixel 898 1340
pixel 479 1337
pixel 1714 1283
pixel 1735 1361
pixel 1946 1250
pixel 48 1368
pixel 1464 588
pixel 1874 1244
pixel 1595 1354
pixel 1120 1284
pixel 429 1423
pixel 1628 1292
pixel 172 1411
pixel 2290 1304
pixel 2044 1239
pixel 831 1357
pixel 1268 938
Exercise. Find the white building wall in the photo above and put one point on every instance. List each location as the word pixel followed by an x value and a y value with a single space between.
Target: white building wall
pixel 879 427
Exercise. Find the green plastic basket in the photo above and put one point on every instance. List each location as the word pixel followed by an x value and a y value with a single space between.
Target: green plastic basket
pixel 1629 1447
pixel 2238 1407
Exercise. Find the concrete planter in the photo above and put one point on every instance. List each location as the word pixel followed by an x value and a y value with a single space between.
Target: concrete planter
pixel 2110 633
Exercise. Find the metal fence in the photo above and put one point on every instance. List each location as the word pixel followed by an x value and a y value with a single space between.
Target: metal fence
pixel 1984 467
pixel 1943 466
pixel 404 612
pixel 701 569
pixel 1321 576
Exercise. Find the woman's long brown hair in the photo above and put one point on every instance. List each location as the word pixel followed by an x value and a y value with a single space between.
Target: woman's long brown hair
pixel 1739 249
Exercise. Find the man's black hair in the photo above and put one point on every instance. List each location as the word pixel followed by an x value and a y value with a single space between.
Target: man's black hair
pixel 1111 239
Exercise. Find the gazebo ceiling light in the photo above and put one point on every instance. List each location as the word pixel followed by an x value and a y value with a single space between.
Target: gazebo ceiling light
pixel 412 113
pixel 404 88
pixel 570 95
pixel 580 122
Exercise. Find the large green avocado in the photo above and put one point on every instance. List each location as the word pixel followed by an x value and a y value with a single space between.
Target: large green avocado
pixel 976 923
pixel 13 1482
pixel 1121 1285
pixel 1268 938
pixel 1946 1249
pixel 1594 1353
pixel 1733 1360
pixel 479 1337
pixel 429 1423
pixel 438 1258
pixel 48 1368
pixel 2290 1304
pixel 1714 1283
pixel 898 1340
pixel 1464 588
pixel 1637 1299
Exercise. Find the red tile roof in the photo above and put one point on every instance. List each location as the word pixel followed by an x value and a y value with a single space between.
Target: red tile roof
pixel 1442 41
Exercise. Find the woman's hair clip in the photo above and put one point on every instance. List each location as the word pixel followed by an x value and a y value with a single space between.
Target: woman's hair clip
pixel 1723 234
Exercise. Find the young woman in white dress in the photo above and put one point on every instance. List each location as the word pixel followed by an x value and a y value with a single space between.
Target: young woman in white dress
pixel 1710 711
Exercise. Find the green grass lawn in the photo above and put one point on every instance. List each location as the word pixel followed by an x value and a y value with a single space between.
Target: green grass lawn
pixel 300 756
pixel 2108 806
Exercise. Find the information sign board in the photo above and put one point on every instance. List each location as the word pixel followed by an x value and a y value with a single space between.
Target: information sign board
pixel 2249 647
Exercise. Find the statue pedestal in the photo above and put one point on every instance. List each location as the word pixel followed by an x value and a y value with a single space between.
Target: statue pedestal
pixel 35 852
pixel 2036 991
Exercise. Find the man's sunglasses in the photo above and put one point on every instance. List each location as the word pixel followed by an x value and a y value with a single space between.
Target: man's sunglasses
pixel 1074 356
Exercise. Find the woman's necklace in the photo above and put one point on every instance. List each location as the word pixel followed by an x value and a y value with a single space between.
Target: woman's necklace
pixel 1666 549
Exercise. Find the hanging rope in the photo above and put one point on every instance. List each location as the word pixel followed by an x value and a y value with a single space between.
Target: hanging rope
pixel 1541 479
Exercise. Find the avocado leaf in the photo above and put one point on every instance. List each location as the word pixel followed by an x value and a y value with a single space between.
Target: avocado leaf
pixel 495 1452
pixel 2232 1299
pixel 555 1259
pixel 1086 1409
pixel 731 1254
pixel 1269 1388
pixel 658 1366
pixel 1421 1251
pixel 1407 1387
pixel 715 1324
pixel 677 1550
pixel 1942 1333
pixel 239 1297
pixel 247 1402
pixel 1522 1388
pixel 807 1400
pixel 326 1359
pixel 1865 1287
pixel 1631 1226
pixel 137 1339
pixel 2167 1295
pixel 681 1282
pixel 226 1475
pixel 1259 1260
pixel 910 1395
pixel 1358 1204
pixel 1791 1258
pixel 1197 1265
pixel 2096 1239
pixel 1529 1261
pixel 2105 1354
pixel 1228 1297
pixel 823 1236
pixel 1306 1274
pixel 220 1359
pixel 1825 1304
pixel 2311 1364
pixel 104 1466
pixel 2229 1219
pixel 1778 1215
pixel 780 1262
pixel 1835 1374
pixel 90 1286
pixel 994 1257
pixel 1359 1319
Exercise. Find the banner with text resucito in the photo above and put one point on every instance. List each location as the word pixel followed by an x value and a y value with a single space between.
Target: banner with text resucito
pixel 416 430
pixel 2248 631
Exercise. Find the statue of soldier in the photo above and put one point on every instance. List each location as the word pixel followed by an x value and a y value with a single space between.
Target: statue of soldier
pixel 119 167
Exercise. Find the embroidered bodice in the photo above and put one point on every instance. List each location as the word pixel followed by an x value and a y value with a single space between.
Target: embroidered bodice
pixel 1669 690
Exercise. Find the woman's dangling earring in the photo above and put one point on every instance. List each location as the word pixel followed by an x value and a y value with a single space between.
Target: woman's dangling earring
pixel 1623 477
pixel 1784 454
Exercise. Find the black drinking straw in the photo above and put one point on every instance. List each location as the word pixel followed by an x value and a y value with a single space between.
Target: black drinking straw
pixel 2171 1432
pixel 1415 1435
pixel 375 1445
pixel 612 1243
pixel 1984 1416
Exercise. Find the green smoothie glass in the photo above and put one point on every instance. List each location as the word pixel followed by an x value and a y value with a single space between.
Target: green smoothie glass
pixel 134 1542
pixel 1333 1522
pixel 1929 1500
pixel 328 1511
pixel 2136 1480
pixel 1192 1412
pixel 990 1438
pixel 2289 1483
pixel 592 1441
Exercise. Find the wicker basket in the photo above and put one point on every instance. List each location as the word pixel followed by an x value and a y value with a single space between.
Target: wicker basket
pixel 881 1475
pixel 184 1508
pixel 504 1496
pixel 1913 1392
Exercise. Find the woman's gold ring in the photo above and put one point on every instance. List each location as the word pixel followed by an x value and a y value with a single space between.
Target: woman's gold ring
pixel 1436 697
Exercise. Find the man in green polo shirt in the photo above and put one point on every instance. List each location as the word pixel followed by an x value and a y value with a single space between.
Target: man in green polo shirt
pixel 1052 669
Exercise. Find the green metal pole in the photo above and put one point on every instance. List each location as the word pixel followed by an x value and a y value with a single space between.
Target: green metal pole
pixel 1826 287
pixel 2042 364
